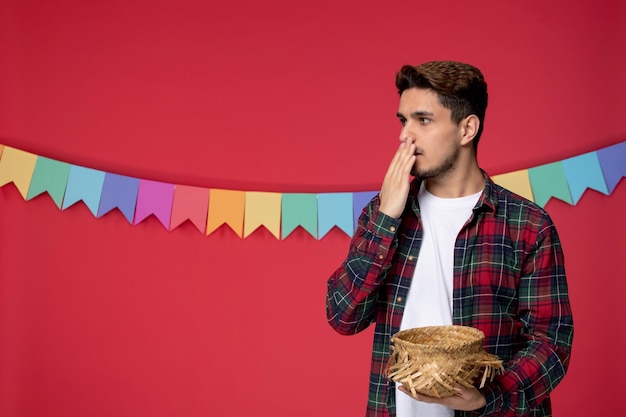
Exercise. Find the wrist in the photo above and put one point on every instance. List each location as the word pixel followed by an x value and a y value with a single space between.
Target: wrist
pixel 389 212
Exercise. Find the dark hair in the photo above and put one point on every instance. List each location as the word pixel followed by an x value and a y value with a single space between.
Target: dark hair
pixel 460 87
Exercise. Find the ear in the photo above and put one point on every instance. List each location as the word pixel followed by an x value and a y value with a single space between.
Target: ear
pixel 469 128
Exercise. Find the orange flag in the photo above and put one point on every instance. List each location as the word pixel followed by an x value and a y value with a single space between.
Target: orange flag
pixel 226 206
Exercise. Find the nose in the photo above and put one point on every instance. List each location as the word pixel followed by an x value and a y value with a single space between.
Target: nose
pixel 406 136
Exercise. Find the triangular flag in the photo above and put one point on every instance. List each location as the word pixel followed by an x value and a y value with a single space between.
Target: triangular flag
pixel 582 172
pixel 517 182
pixel 190 203
pixel 119 191
pixel 613 162
pixel 262 209
pixel 155 198
pixel 49 176
pixel 299 210
pixel 334 209
pixel 226 206
pixel 84 184
pixel 549 181
pixel 359 201
pixel 17 166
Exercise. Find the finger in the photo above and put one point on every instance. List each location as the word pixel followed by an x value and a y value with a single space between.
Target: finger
pixel 408 159
pixel 401 173
pixel 397 159
pixel 407 392
pixel 395 186
pixel 402 162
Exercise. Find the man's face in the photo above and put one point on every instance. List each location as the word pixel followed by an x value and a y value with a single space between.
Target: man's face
pixel 429 126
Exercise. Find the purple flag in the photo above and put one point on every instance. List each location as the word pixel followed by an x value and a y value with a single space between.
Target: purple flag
pixel 613 163
pixel 119 192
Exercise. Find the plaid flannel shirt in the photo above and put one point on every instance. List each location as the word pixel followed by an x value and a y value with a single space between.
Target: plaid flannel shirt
pixel 509 282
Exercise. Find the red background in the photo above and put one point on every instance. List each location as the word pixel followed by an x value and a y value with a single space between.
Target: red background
pixel 101 318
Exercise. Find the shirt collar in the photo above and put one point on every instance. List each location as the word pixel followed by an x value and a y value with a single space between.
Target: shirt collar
pixel 488 200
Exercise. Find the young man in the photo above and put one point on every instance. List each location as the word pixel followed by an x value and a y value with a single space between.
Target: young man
pixel 452 247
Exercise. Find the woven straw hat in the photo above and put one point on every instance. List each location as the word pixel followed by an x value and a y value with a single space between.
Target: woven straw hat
pixel 431 360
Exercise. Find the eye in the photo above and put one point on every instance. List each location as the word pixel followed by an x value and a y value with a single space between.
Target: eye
pixel 402 121
pixel 424 120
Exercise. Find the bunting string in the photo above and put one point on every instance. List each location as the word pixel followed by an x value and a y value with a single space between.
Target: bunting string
pixel 280 213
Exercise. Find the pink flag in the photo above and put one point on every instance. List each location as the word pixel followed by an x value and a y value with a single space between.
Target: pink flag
pixel 190 203
pixel 154 198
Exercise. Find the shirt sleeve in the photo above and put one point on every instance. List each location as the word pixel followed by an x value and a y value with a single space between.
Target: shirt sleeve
pixel 353 287
pixel 547 328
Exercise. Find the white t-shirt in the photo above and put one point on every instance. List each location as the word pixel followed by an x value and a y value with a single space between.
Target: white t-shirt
pixel 429 302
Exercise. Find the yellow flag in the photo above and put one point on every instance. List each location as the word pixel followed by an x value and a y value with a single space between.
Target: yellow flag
pixel 517 181
pixel 262 209
pixel 17 166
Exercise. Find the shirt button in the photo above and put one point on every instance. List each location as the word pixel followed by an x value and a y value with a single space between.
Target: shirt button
pixel 411 258
pixel 392 229
pixel 380 256
pixel 399 299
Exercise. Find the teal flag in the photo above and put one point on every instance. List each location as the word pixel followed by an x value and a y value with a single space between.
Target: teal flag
pixel 549 181
pixel 334 209
pixel 299 210
pixel 84 184
pixel 582 172
pixel 49 176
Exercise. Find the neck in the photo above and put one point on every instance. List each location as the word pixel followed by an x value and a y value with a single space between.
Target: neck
pixel 462 180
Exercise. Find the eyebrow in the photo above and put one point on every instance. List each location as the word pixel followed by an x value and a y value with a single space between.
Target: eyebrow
pixel 415 114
